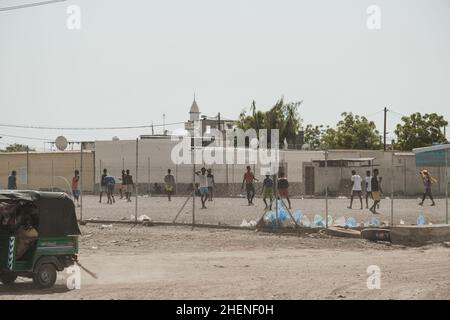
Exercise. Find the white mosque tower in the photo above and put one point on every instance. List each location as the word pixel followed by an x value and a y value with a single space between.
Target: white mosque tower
pixel 194 113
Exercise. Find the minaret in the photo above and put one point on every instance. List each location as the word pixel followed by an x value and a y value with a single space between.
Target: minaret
pixel 194 113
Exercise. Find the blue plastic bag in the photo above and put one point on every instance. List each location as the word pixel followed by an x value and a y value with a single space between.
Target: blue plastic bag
pixel 318 221
pixel 421 221
pixel 351 222
pixel 297 216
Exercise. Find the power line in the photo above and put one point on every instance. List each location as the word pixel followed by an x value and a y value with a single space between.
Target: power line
pixel 373 114
pixel 86 128
pixel 29 5
pixel 21 137
pixel 397 113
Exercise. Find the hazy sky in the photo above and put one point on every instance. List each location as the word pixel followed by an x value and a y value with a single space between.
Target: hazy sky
pixel 132 61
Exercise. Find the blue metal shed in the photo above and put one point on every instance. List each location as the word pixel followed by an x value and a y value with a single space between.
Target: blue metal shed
pixel 435 156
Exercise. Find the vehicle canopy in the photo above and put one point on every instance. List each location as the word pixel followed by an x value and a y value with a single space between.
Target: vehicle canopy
pixel 55 211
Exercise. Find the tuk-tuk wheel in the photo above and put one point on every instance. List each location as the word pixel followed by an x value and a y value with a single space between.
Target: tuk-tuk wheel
pixel 8 278
pixel 45 277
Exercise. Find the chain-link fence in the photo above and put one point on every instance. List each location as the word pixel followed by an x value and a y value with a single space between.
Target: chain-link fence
pixel 401 185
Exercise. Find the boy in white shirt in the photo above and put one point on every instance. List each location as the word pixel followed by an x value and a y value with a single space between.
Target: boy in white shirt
pixel 356 188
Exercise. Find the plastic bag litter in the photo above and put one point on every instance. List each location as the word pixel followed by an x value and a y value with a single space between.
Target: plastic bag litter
pixel 305 222
pixel 421 221
pixel 318 221
pixel 252 223
pixel 245 223
pixel 106 226
pixel 282 215
pixel 374 222
pixel 143 218
pixel 351 222
pixel 330 220
pixel 270 219
pixel 402 222
pixel 340 222
pixel 297 216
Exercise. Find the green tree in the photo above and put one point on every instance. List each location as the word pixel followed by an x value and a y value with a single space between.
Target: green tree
pixel 282 116
pixel 314 134
pixel 419 130
pixel 16 147
pixel 352 132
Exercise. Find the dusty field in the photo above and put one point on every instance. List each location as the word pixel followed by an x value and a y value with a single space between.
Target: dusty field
pixel 233 211
pixel 177 263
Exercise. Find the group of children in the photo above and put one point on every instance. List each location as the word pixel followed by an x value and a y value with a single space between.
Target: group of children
pixel 107 186
pixel 267 192
pixel 373 188
pixel 207 184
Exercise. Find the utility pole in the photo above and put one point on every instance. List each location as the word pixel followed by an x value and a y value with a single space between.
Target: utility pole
pixel 384 132
pixel 218 121
pixel 164 124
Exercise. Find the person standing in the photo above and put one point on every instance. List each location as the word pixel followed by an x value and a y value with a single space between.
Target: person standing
pixel 12 181
pixel 283 188
pixel 103 184
pixel 203 186
pixel 368 181
pixel 169 181
pixel 110 185
pixel 249 177
pixel 129 184
pixel 428 181
pixel 376 192
pixel 268 191
pixel 356 188
pixel 211 184
pixel 123 184
pixel 75 189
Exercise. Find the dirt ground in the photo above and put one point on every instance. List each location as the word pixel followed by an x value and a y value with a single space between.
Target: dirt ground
pixel 178 263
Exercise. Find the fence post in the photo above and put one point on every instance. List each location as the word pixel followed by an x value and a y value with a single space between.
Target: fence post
pixel 176 179
pixel 326 190
pixel 446 185
pixel 100 172
pixel 28 170
pixel 193 197
pixel 136 182
pixel 53 176
pixel 392 188
pixel 81 181
pixel 148 176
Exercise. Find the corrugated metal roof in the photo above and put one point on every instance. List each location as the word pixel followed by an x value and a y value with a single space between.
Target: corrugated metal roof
pixel 432 148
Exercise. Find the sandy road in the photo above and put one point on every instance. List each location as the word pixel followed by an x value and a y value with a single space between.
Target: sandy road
pixel 177 263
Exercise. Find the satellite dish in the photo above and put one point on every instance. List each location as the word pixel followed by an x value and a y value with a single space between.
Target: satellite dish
pixel 61 143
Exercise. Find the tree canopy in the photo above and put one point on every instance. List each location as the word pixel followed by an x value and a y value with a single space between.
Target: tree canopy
pixel 282 116
pixel 351 132
pixel 419 130
pixel 16 147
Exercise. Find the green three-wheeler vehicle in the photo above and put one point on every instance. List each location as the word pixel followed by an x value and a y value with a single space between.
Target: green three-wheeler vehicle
pixel 38 236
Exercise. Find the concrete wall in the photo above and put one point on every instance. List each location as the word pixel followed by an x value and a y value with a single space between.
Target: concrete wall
pixel 46 170
pixel 154 158
pixel 398 172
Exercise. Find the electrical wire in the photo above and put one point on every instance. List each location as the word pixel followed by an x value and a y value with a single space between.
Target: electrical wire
pixel 29 5
pixel 87 128
pixel 21 137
